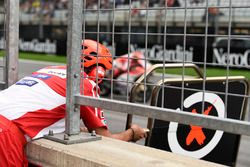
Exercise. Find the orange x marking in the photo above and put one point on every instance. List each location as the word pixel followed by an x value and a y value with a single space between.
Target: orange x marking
pixel 196 132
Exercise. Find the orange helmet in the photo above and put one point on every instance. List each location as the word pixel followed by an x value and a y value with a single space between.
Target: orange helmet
pixel 94 52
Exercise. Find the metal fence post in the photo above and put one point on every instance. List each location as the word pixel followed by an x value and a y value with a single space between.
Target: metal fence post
pixel 12 41
pixel 72 133
pixel 73 65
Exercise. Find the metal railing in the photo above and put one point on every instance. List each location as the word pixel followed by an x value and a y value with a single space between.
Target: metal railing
pixel 75 99
pixel 77 31
pixel 10 31
pixel 163 79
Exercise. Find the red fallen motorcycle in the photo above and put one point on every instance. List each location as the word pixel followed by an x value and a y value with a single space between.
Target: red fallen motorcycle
pixel 126 70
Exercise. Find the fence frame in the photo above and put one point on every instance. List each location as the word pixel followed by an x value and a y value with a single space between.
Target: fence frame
pixel 11 34
pixel 211 122
pixel 12 41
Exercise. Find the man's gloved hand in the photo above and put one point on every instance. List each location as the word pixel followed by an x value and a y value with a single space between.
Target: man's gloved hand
pixel 138 132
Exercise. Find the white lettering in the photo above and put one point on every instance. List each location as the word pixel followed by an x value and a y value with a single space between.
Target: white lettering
pixel 232 59
pixel 157 53
pixel 34 46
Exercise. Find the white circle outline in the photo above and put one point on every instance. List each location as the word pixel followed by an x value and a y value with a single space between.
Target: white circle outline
pixel 216 101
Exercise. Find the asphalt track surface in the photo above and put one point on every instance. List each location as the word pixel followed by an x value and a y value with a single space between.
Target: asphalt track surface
pixel 117 121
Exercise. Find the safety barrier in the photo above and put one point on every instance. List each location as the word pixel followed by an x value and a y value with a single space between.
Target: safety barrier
pixel 231 102
pixel 74 99
pixel 159 111
pixel 104 153
pixel 9 68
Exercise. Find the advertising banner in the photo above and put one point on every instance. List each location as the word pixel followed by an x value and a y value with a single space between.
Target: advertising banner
pixel 37 46
pixel 211 50
pixel 237 56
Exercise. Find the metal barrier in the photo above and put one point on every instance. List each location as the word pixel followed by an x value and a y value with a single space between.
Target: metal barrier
pixel 75 35
pixel 77 31
pixel 144 81
pixel 10 29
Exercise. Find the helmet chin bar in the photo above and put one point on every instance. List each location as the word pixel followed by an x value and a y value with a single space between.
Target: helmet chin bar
pixel 97 72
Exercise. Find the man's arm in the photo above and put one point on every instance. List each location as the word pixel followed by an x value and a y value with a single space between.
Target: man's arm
pixel 134 133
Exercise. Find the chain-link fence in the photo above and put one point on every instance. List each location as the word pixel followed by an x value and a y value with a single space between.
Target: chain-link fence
pixel 184 65
pixel 9 34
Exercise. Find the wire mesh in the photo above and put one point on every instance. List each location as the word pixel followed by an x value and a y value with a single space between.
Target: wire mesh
pixel 211 35
pixel 205 33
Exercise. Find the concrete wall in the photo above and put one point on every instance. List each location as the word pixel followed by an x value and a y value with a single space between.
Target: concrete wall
pixel 105 152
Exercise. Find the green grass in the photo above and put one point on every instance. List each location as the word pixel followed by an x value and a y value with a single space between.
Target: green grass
pixel 41 57
pixel 210 72
pixel 232 72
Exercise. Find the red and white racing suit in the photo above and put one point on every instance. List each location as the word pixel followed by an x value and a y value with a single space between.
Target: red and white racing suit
pixel 36 104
